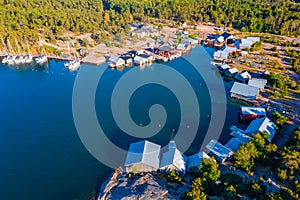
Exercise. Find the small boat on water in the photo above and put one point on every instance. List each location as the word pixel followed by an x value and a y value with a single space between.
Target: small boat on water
pixel 74 65
pixel 11 59
pixel 41 59
pixel 28 58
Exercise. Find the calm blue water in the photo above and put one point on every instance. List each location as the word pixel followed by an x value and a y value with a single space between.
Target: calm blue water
pixel 41 154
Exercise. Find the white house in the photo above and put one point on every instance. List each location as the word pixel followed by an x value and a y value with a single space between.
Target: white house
pixel 173 159
pixel 261 125
pixel 196 159
pixel 144 156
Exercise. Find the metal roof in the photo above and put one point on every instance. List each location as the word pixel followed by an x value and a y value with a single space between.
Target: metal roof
pixel 143 152
pixel 233 70
pixel 115 59
pixel 218 150
pixel 245 75
pixel 262 125
pixel 196 159
pixel 224 66
pixel 260 83
pixel 234 144
pixel 244 90
pixel 250 110
pixel 173 157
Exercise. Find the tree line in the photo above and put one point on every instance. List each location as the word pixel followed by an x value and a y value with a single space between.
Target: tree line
pixel 30 19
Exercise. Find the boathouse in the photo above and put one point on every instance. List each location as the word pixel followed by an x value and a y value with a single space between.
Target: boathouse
pixel 218 151
pixel 223 68
pixel 242 77
pixel 173 159
pixel 249 112
pixel 244 91
pixel 143 156
pixel 139 60
pixel 260 83
pixel 222 54
pixel 166 49
pixel 261 125
pixel 231 72
pixel 116 61
pixel 195 160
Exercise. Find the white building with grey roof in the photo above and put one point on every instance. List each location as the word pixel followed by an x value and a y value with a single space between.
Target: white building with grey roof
pixel 143 156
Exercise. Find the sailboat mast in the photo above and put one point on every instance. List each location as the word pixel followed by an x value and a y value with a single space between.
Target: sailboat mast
pixel 3 43
pixel 18 47
pixel 9 47
pixel 28 47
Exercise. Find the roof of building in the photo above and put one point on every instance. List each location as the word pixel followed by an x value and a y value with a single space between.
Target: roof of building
pixel 166 47
pixel 220 55
pixel 182 46
pixel 219 151
pixel 244 90
pixel 250 110
pixel 245 75
pixel 115 59
pixel 143 152
pixel 220 39
pixel 173 157
pixel 226 35
pixel 242 137
pixel 233 70
pixel 253 39
pixel 224 66
pixel 196 159
pixel 260 83
pixel 138 58
pixel 262 125
pixel 233 144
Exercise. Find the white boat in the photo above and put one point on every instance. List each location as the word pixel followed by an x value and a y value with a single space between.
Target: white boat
pixel 18 60
pixel 11 59
pixel 41 59
pixel 4 60
pixel 28 58
pixel 70 62
pixel 74 65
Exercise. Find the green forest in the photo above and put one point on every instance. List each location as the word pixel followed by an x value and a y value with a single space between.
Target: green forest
pixel 29 19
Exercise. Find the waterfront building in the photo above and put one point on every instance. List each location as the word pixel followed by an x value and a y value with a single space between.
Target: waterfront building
pixel 142 156
pixel 244 91
pixel 260 83
pixel 262 125
pixel 249 112
pixel 173 159
pixel 242 77
pixel 218 151
pixel 195 160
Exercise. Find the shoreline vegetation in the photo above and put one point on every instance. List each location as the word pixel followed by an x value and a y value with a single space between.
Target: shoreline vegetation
pixel 103 26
